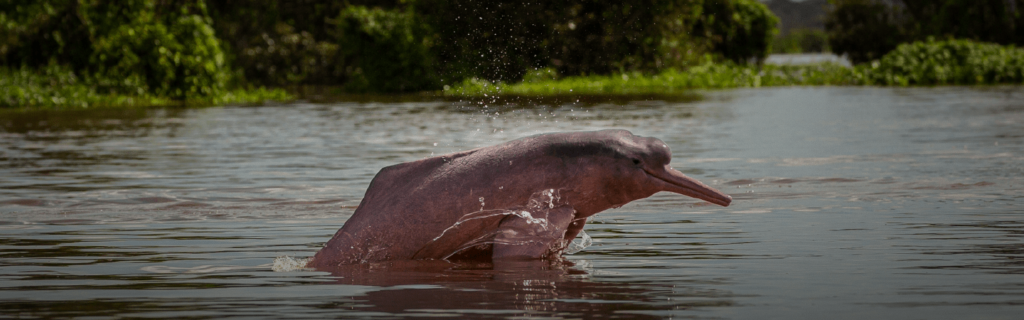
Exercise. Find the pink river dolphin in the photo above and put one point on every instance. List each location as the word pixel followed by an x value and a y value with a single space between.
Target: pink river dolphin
pixel 523 199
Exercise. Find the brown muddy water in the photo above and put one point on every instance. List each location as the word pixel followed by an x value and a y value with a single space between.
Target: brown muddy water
pixel 850 203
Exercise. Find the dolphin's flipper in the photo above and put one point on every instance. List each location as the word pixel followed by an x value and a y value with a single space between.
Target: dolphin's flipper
pixel 574 229
pixel 533 234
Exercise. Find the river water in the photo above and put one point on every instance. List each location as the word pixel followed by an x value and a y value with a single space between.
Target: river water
pixel 850 203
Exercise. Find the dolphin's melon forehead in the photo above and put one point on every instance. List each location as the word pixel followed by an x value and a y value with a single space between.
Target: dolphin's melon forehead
pixel 575 149
pixel 611 143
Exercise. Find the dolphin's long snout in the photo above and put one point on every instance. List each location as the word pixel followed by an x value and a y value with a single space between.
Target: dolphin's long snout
pixel 677 182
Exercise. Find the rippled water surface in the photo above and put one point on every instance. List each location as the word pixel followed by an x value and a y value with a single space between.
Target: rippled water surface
pixel 850 203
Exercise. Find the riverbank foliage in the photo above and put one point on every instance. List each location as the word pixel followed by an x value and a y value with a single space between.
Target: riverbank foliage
pixel 88 53
pixel 960 62
pixel 918 63
pixel 149 51
pixel 63 54
pixel 57 87
pixel 705 76
pixel 865 30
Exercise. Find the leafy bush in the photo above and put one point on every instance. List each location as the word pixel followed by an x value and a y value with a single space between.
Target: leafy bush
pixel 138 47
pixel 604 37
pixel 385 51
pixel 739 30
pixel 864 30
pixel 285 56
pixel 979 20
pixel 948 62
pixel 51 27
pixel 280 43
pixel 496 40
pixel 500 40
pixel 143 56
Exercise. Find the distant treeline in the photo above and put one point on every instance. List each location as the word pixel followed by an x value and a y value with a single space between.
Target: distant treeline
pixel 188 48
pixel 868 29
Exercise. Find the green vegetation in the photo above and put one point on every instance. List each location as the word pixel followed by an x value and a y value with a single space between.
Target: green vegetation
pixel 57 87
pixel 389 51
pixel 801 41
pixel 739 30
pixel 137 52
pixel 948 62
pixel 708 75
pixel 918 63
pixel 78 54
pixel 501 40
pixel 866 30
pixel 91 53
pixel 863 30
pixel 131 47
pixel 177 59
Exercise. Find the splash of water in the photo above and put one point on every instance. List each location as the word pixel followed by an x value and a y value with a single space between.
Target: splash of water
pixel 548 198
pixel 525 215
pixel 534 213
pixel 581 242
pixel 286 264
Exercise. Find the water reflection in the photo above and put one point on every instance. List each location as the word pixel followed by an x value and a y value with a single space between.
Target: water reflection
pixel 88 268
pixel 523 288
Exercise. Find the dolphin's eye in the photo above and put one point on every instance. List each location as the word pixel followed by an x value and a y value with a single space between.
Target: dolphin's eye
pixel 636 161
